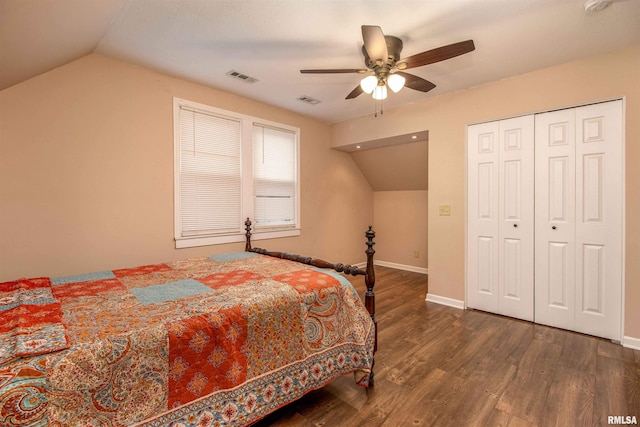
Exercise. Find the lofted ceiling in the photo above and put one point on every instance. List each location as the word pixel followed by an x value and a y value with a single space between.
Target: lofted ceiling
pixel 398 167
pixel 271 40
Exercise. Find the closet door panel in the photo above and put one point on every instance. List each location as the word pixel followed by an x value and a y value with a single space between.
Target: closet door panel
pixel 482 216
pixel 515 204
pixel 599 171
pixel 579 205
pixel 555 218
pixel 500 217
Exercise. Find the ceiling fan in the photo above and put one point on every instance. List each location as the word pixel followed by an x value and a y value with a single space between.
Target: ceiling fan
pixel 382 57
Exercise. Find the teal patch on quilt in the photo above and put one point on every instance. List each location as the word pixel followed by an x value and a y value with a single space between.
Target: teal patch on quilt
pixel 232 256
pixel 100 275
pixel 338 276
pixel 169 291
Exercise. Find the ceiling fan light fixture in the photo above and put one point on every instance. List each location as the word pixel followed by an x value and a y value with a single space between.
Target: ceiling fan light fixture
pixel 368 84
pixel 380 92
pixel 396 82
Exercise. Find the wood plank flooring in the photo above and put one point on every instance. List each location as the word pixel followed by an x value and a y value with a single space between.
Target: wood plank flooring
pixel 440 366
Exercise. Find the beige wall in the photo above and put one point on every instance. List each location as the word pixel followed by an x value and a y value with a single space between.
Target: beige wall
pixel 86 173
pixel 597 78
pixel 400 221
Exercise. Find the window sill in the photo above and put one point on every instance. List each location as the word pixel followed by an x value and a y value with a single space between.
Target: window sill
pixel 191 242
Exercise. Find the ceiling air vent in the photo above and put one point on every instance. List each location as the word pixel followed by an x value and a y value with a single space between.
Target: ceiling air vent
pixel 308 100
pixel 240 76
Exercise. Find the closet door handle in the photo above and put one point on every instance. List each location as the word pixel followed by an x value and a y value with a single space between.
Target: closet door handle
pixel 515 225
pixel 553 227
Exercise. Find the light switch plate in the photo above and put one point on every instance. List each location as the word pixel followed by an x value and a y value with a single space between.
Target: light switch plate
pixel 444 210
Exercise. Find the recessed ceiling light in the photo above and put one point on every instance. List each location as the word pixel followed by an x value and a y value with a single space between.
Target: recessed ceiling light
pixel 358 147
pixel 414 137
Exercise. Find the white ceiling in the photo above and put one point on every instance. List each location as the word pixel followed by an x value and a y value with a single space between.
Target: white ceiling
pixel 271 40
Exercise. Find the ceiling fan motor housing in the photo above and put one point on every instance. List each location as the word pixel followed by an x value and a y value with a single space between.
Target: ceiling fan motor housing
pixel 394 47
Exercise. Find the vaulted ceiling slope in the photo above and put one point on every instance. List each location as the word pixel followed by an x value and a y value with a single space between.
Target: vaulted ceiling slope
pixel 271 40
pixel 401 167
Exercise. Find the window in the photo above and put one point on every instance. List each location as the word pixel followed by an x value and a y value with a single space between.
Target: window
pixel 274 177
pixel 229 167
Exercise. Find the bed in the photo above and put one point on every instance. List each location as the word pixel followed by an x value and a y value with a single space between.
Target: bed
pixel 219 340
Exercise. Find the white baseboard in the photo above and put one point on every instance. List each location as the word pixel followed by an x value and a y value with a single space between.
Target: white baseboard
pixel 404 267
pixel 631 342
pixel 455 303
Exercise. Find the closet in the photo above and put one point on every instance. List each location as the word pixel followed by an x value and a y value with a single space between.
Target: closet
pixel 544 218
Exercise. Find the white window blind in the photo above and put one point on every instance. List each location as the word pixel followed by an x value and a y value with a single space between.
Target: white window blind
pixel 210 174
pixel 274 177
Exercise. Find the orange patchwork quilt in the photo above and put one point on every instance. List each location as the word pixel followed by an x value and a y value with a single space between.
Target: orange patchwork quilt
pixel 220 340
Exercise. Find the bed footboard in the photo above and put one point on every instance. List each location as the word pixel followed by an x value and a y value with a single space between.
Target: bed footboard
pixel 368 272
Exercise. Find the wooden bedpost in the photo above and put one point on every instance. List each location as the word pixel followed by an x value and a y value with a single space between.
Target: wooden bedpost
pixel 247 226
pixel 369 296
pixel 370 277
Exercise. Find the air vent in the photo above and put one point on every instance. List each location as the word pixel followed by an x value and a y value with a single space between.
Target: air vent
pixel 309 100
pixel 240 76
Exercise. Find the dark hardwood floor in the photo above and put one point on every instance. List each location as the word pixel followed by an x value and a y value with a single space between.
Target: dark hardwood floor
pixel 440 366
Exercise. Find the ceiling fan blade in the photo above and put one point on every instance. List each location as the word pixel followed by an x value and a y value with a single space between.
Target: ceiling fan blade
pixel 416 83
pixel 374 43
pixel 357 91
pixel 438 54
pixel 334 71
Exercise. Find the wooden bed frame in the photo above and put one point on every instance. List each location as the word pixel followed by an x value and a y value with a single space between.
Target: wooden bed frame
pixel 368 272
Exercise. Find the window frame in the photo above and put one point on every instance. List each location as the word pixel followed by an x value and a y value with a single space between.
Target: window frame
pixel 246 175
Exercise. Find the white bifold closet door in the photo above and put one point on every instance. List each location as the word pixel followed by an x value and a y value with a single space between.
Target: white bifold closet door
pixel 500 217
pixel 578 229
pixel 544 237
